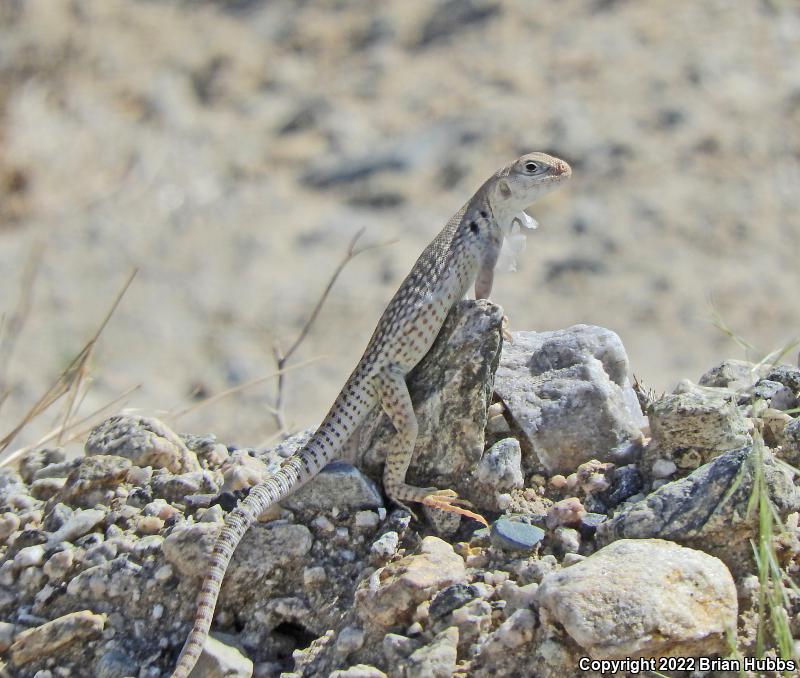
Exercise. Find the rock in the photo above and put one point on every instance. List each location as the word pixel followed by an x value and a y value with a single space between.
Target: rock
pixel 241 471
pixel 9 523
pixel 501 466
pixel 93 481
pixel 51 639
pixel 358 671
pixel 676 601
pixel 732 374
pixel 393 591
pixel 515 534
pixel 567 512
pixel 589 524
pixel 219 660
pixel 626 481
pixel 451 390
pixel 516 631
pixel 77 525
pixel 451 598
pixel 262 549
pixel 36 460
pixel 349 640
pixel 787 375
pixel 145 441
pixel 435 660
pixel 704 420
pixel 339 485
pixel 791 446
pixel 701 510
pixel 175 488
pixel 7 633
pixel 452 17
pixel 569 393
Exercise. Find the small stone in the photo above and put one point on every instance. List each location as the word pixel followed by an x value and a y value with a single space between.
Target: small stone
pixel 30 556
pixel 558 482
pixel 349 640
pixel 79 524
pixel 149 525
pixel 219 659
pixel 393 591
pixel 589 524
pixel 514 632
pixel 338 485
pixel 7 632
pixel 213 514
pixel 501 466
pixel 44 488
pixel 385 546
pixel 567 539
pixel 59 564
pixel 241 471
pixel 572 558
pixel 451 598
pixel 435 659
pixel 504 501
pixel 515 535
pixel 626 482
pixel 357 671
pixel 367 520
pixel 140 476
pixel 664 468
pixel 9 523
pixel 52 638
pixel 565 512
pixel 323 524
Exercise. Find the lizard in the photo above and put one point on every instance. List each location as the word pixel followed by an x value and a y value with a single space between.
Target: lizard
pixel 464 252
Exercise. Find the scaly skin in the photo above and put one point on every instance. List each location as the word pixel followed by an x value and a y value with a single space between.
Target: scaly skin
pixel 464 252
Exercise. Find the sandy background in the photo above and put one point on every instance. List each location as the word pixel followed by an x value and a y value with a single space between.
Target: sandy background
pixel 230 150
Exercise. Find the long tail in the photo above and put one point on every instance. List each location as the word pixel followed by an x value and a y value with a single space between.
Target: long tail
pixel 293 473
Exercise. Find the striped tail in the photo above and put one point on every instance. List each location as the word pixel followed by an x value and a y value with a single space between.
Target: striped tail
pixel 296 470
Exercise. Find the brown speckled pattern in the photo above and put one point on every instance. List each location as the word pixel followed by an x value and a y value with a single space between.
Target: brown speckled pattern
pixel 467 245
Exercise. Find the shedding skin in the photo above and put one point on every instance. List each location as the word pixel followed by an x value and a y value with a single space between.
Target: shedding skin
pixel 462 254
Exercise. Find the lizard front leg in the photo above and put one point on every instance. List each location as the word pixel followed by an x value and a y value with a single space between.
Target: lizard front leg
pixel 396 402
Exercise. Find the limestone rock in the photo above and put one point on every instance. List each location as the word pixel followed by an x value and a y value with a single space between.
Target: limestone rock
pixel 146 441
pixel 639 598
pixel 569 393
pixel 393 591
pixel 50 639
pixel 501 466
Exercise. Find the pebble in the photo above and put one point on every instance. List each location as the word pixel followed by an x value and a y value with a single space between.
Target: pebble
pixel 213 514
pixel 664 468
pixel 558 482
pixel 568 539
pixel 323 524
pixel 9 523
pixel 44 488
pixel 350 639
pixel 589 524
pixel 30 556
pixel 81 523
pixel 149 525
pixel 386 545
pixel 7 632
pixel 367 520
pixel 567 512
pixel 451 598
pixel 163 573
pixel 515 535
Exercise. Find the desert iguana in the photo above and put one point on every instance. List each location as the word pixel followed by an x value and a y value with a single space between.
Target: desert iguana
pixel 465 251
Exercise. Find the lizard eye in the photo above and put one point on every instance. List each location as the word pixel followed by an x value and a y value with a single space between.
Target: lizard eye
pixel 531 166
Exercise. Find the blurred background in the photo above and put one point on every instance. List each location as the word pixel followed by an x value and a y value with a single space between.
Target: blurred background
pixel 231 150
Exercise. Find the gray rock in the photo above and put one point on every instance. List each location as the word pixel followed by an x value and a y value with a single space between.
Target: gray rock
pixel 146 441
pixel 702 511
pixel 501 466
pixel 357 671
pixel 115 664
pixel 733 374
pixel 77 525
pixel 437 659
pixel 451 598
pixel 568 391
pixel 339 485
pixel 515 535
pixel 702 420
pixel 791 446
pixel 451 390
pixel 219 660
pixel 676 601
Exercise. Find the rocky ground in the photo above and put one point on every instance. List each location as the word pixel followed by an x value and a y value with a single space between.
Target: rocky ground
pixel 612 533
pixel 229 149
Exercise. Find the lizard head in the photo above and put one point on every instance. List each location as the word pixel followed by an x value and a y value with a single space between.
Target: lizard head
pixel 523 181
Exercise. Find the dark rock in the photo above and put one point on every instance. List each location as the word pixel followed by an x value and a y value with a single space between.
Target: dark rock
pixel 626 481
pixel 708 509
pixel 451 598
pixel 453 16
pixel 589 524
pixel 515 535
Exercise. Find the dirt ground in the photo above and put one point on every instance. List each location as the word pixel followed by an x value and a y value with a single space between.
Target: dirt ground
pixel 230 150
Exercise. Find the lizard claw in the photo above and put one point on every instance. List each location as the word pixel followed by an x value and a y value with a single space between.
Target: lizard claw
pixel 444 500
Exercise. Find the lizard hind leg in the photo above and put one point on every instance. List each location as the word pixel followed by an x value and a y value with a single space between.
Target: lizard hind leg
pixel 396 402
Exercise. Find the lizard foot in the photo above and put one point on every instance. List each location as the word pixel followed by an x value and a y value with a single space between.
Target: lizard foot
pixel 445 500
pixel 504 329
